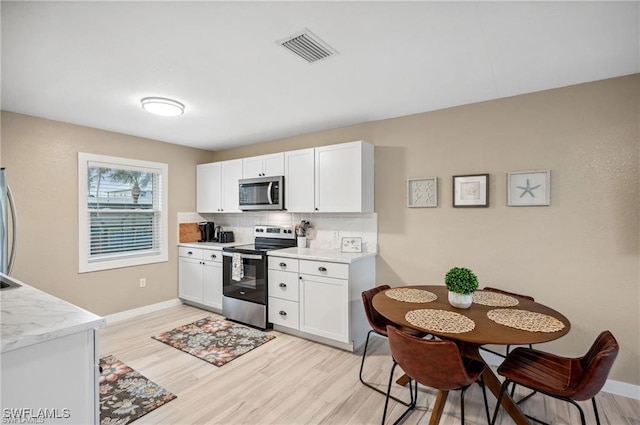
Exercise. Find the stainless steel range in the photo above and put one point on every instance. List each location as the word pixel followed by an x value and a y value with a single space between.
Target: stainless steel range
pixel 244 268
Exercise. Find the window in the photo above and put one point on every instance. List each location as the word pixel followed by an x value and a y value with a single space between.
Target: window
pixel 122 212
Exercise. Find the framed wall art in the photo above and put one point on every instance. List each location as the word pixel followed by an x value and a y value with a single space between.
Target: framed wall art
pixel 422 192
pixel 529 188
pixel 471 190
pixel 351 245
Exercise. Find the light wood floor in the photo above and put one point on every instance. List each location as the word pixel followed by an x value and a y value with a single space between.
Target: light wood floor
pixel 294 381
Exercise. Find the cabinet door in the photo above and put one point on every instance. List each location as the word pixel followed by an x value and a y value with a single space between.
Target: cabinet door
pixel 299 180
pixel 190 279
pixel 324 307
pixel 252 167
pixel 231 173
pixel 273 165
pixel 208 187
pixel 338 178
pixel 212 285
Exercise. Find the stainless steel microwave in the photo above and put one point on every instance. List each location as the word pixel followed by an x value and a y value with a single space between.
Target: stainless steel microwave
pixel 261 193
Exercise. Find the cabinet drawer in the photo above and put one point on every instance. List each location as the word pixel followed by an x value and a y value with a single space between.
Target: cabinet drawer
pixel 283 285
pixel 212 255
pixel 323 268
pixel 284 264
pixel 284 313
pixel 187 251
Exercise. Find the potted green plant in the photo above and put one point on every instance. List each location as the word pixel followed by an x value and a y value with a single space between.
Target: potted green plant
pixel 461 283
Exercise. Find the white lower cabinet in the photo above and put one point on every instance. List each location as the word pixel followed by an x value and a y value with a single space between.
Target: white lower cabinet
pixel 200 276
pixel 320 300
pixel 324 307
pixel 58 377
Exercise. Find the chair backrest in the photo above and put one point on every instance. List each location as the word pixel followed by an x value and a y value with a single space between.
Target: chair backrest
pixel 595 366
pixel 434 363
pixel 513 294
pixel 377 322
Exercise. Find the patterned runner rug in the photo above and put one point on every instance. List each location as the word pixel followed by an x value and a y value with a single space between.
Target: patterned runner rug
pixel 126 395
pixel 214 340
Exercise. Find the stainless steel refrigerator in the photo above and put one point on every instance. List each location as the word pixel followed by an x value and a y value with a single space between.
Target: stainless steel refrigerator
pixel 7 226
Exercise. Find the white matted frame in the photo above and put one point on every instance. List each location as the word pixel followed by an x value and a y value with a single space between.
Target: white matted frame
pixel 422 192
pixel 471 190
pixel 529 188
pixel 353 244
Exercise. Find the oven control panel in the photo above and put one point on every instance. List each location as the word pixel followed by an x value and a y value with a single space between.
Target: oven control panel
pixel 279 232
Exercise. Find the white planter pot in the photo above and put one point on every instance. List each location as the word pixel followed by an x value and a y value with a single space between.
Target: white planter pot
pixel 460 300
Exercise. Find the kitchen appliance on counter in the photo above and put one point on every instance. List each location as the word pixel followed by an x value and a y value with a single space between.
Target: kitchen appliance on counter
pixel 207 231
pixel 7 214
pixel 244 271
pixel 261 193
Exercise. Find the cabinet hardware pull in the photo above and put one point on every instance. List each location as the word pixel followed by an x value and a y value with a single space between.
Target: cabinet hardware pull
pixel 283 264
pixel 282 313
pixel 213 256
pixel 322 269
pixel 282 285
pixel 189 253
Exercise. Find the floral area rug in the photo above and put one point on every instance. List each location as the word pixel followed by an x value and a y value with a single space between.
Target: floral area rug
pixel 126 395
pixel 213 340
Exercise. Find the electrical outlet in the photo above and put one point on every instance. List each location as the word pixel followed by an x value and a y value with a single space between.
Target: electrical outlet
pixel 143 282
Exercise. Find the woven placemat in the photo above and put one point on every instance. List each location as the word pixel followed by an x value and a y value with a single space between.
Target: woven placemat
pixel 494 299
pixel 525 320
pixel 440 321
pixel 410 295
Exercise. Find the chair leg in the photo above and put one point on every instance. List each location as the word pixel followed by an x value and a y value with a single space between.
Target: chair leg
pixel 486 403
pixel 462 404
pixel 503 388
pixel 595 409
pixel 413 390
pixel 366 384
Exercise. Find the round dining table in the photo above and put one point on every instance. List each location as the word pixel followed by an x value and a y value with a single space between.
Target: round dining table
pixel 427 309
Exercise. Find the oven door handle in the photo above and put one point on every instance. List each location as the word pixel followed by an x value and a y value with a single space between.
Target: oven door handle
pixel 247 256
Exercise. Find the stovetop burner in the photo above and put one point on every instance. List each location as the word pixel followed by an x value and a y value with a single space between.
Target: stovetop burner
pixel 267 238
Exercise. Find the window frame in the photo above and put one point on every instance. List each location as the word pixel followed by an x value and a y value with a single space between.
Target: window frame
pixel 85 264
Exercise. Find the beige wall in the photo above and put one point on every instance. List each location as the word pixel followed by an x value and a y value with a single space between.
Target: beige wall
pixel 41 158
pixel 580 255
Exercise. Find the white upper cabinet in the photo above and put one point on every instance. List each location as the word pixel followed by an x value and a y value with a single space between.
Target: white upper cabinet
pixel 299 177
pixel 344 177
pixel 217 186
pixel 263 166
pixel 208 187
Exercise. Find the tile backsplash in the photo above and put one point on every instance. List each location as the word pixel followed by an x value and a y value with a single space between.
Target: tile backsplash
pixel 326 231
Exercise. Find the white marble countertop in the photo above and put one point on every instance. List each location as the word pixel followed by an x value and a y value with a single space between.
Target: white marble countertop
pixel 321 255
pixel 30 316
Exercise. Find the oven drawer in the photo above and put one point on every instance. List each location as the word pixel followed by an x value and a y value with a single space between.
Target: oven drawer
pixel 284 313
pixel 186 251
pixel 323 268
pixel 283 285
pixel 284 264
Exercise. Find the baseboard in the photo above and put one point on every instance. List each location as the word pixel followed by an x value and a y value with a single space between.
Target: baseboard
pixel 611 386
pixel 128 314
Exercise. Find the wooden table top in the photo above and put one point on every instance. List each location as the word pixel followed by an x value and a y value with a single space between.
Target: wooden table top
pixel 486 331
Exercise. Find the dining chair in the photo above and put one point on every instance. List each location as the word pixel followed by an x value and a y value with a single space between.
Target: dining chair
pixel 564 378
pixel 378 327
pixel 512 294
pixel 434 363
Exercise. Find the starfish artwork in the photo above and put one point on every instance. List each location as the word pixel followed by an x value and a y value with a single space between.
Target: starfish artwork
pixel 528 189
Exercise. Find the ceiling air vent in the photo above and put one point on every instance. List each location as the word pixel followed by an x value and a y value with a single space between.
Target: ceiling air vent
pixel 308 46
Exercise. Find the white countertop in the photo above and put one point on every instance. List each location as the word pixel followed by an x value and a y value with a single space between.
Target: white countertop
pixel 321 255
pixel 29 316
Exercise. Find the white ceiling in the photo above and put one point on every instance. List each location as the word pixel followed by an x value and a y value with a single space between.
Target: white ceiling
pixel 90 63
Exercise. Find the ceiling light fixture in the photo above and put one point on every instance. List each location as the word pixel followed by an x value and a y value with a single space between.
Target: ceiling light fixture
pixel 162 106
